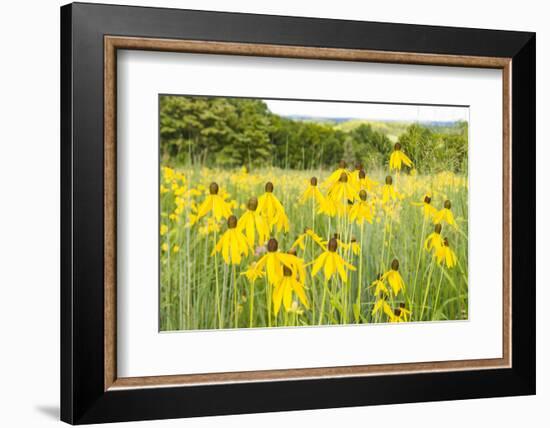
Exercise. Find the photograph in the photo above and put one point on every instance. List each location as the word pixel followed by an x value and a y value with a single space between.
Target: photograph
pixel 296 213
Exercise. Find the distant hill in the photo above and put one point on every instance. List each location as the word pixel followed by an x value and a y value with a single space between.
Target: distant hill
pixel 391 128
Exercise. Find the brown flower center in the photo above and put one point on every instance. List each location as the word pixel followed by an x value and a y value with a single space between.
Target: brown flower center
pixel 332 244
pixel 214 188
pixel 342 164
pixel 269 187
pixel 232 222
pixel 437 228
pixel 363 195
pixel 427 199
pixel 397 146
pixel 447 204
pixel 395 264
pixel 362 174
pixel 446 242
pixel 359 166
pixel 343 178
pixel 286 271
pixel 313 181
pixel 252 203
pixel 272 245
pixel 389 180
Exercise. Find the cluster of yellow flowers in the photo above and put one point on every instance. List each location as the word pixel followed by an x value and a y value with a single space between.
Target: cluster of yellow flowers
pixel 347 196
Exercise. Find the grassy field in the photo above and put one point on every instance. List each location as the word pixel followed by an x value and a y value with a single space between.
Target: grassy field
pixel 200 289
pixel 392 129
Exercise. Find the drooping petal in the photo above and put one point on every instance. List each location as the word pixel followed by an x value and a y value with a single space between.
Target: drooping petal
pixel 287 293
pixel 330 267
pixel 225 248
pixel 379 303
pixel 339 262
pixel 318 264
pixel 299 290
pixel 204 208
pixel 405 159
pixel 277 297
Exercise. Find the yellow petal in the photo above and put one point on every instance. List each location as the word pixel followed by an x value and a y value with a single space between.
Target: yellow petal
pixel 319 262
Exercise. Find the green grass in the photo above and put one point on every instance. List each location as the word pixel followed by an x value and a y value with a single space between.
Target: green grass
pixel 199 291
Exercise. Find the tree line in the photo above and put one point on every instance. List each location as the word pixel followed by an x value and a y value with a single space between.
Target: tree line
pixel 231 132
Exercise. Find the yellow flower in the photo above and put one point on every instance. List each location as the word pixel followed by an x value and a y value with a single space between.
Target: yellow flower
pixel 329 207
pixel 253 223
pixel 273 261
pixel 295 309
pixel 312 192
pixel 361 210
pixel 394 278
pixel 163 229
pixel 444 253
pixel 380 288
pixel 342 191
pixel 215 203
pixel 283 289
pixel 355 247
pixel 253 273
pixel 427 208
pixel 335 176
pixel 211 226
pixel 388 191
pixel 400 314
pixel 343 246
pixel 272 209
pixel 397 158
pixel 445 214
pixel 176 248
pixel 308 233
pixel 434 240
pixel 232 244
pixel 332 262
pixel 168 174
pixel 316 238
pixel 361 180
pixel 164 247
pixel 382 304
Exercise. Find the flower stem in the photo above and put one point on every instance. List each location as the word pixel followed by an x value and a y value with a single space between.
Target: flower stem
pixel 427 289
pixel 268 302
pixel 325 287
pixel 218 306
pixel 251 313
pixel 360 275
pixel 419 257
pixel 437 293
pixel 235 303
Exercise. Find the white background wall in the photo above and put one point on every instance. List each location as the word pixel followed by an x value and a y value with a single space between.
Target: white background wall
pixel 29 213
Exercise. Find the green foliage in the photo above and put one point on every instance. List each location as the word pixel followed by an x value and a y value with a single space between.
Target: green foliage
pixel 436 149
pixel 371 147
pixel 230 132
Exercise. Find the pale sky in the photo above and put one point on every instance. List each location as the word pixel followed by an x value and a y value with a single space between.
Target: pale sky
pixel 399 112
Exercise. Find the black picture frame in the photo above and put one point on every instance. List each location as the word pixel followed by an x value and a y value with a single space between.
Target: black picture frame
pixel 83 398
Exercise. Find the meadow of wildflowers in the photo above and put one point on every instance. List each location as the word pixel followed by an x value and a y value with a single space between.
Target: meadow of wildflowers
pixel 273 247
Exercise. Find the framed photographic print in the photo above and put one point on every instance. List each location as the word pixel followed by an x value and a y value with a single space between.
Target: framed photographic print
pixel 265 213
